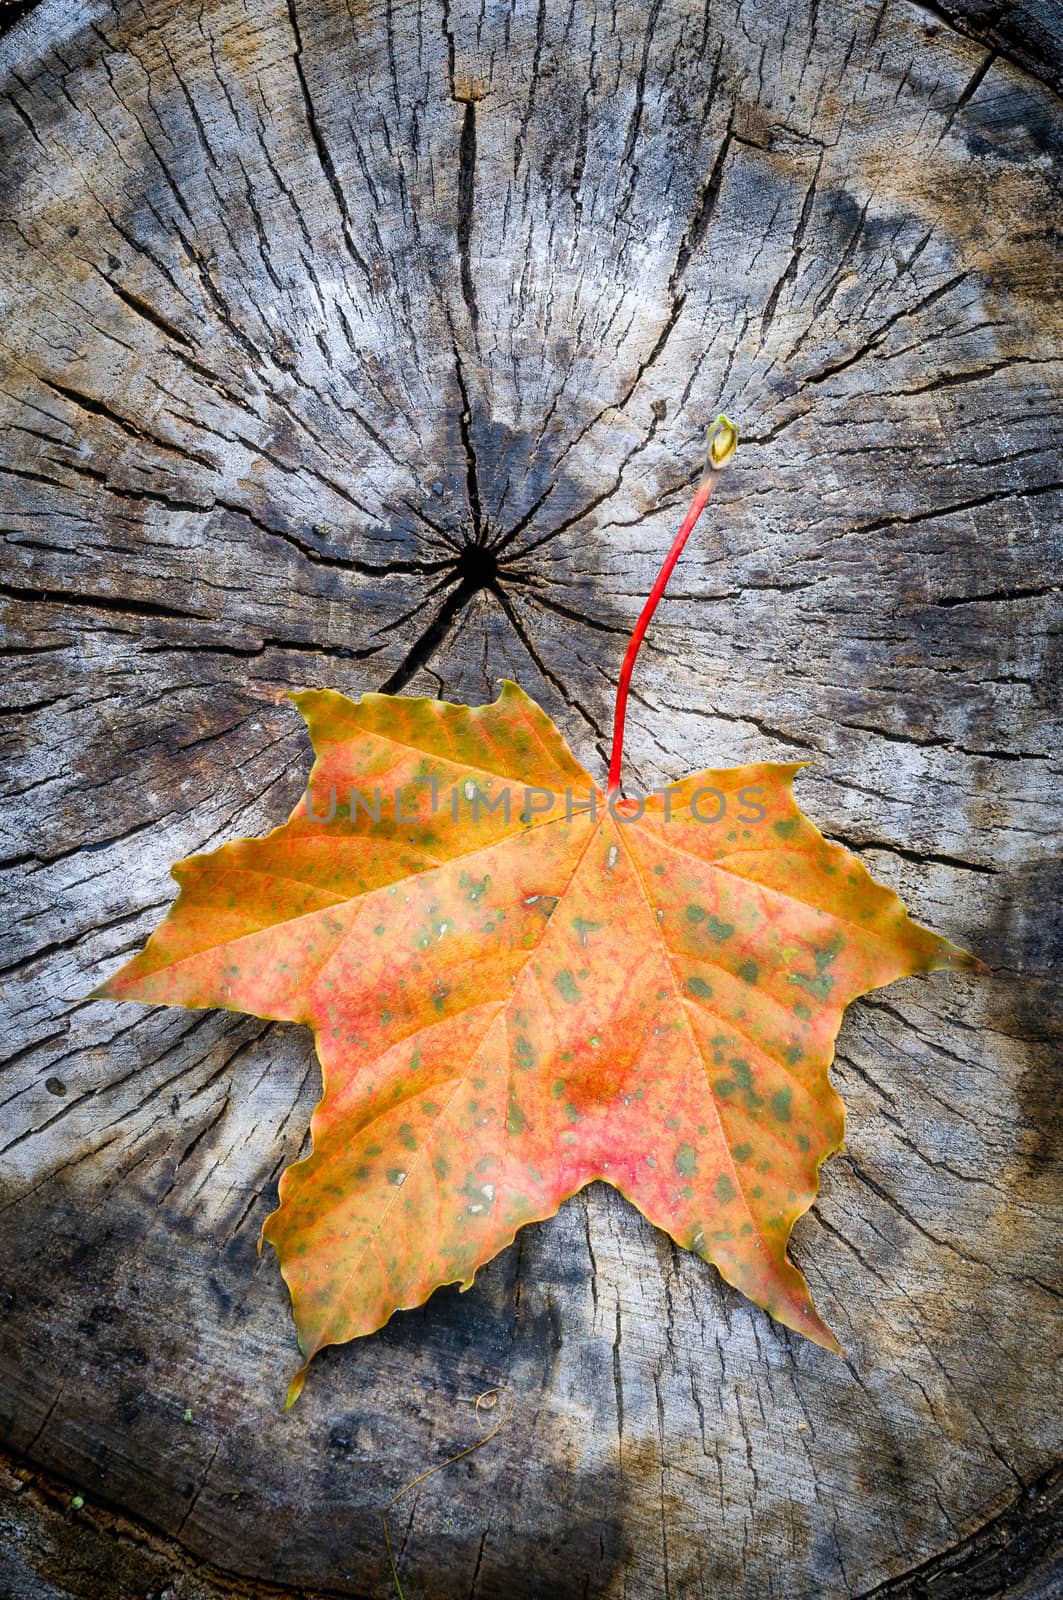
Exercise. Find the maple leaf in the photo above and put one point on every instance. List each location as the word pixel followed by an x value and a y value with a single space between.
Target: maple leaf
pixel 519 985
pixel 507 1009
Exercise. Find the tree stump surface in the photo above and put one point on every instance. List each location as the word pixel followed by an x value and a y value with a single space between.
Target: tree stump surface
pixel 372 346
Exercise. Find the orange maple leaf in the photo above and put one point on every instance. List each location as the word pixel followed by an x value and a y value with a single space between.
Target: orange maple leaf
pixel 507 1008
pixel 519 985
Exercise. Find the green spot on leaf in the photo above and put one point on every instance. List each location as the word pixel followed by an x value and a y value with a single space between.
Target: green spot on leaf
pixel 743 1072
pixel 819 987
pixel 686 1160
pixel 565 984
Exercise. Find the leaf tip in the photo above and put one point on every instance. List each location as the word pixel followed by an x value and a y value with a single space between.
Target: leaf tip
pixel 302 699
pixel 954 955
pixel 109 989
pixel 295 1388
pixel 510 690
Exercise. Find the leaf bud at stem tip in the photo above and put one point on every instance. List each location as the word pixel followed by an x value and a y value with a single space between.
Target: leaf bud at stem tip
pixel 721 444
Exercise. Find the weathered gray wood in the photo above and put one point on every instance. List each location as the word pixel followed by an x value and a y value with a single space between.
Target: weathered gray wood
pixel 373 345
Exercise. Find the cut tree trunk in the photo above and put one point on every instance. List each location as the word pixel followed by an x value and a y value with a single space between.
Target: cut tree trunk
pixel 372 346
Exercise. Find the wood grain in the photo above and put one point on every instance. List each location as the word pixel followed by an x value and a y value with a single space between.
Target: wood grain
pixel 372 345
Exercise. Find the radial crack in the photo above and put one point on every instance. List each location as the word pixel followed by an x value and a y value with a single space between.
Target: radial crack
pixel 466 196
